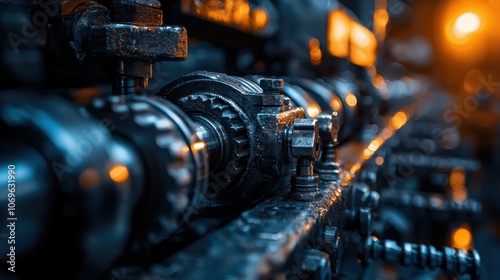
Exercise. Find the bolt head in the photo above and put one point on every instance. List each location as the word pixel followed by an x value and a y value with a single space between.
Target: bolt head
pixel 326 132
pixel 305 139
pixel 328 127
pixel 316 265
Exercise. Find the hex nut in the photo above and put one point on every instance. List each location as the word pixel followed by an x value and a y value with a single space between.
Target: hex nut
pixel 305 139
pixel 326 130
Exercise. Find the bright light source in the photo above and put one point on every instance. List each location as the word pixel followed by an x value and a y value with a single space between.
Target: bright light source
pixel 348 38
pixel 461 238
pixel 198 146
pixel 459 195
pixel 363 46
pixel 119 173
pixel 315 54
pixel 260 19
pixel 379 161
pixel 381 17
pixel 313 112
pixel 398 120
pixel 457 178
pixel 466 24
pixel 339 28
pixel 335 104
pixel 351 100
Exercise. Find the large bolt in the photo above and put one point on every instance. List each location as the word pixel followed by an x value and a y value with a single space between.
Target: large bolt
pixel 316 265
pixel 359 220
pixel 362 196
pixel 327 167
pixel 305 148
pixel 450 260
pixel 332 246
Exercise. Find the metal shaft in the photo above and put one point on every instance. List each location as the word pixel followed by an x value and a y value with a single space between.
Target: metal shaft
pixel 450 260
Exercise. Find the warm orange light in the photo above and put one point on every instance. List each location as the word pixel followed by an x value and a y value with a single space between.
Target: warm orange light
pixel 315 54
pixel 380 20
pixel 457 178
pixel 198 146
pixel 335 104
pixel 338 33
pixel 119 173
pixel 355 168
pixel 234 13
pixel 461 238
pixel 260 19
pixel 379 161
pixel 459 195
pixel 84 95
pixel 241 15
pixel 398 120
pixel 89 178
pixel 313 112
pixel 381 17
pixel 351 100
pixel 363 46
pixel 348 38
pixel 375 144
pixel 367 153
pixel 467 23
pixel 346 179
pixel 380 84
pixel 472 80
pixel 372 148
pixel 466 29
pixel 460 26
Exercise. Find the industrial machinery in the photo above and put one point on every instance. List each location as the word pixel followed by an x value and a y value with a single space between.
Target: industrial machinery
pixel 264 139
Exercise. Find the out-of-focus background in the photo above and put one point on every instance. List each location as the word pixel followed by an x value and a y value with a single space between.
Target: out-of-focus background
pixel 427 72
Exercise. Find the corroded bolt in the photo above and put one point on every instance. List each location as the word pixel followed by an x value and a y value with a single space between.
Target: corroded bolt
pixel 305 148
pixel 327 167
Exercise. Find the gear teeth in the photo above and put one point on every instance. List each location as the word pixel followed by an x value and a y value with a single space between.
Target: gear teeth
pixel 172 158
pixel 221 107
pixel 241 146
pixel 230 120
pixel 216 101
pixel 228 113
pixel 238 127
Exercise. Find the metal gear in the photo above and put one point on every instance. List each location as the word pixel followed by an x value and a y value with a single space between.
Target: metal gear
pixel 164 137
pixel 243 126
pixel 227 115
